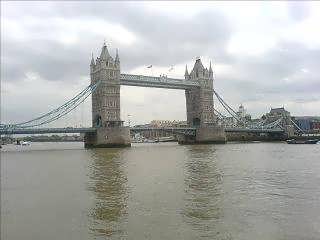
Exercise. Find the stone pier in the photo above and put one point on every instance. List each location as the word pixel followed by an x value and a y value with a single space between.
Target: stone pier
pixel 205 135
pixel 106 137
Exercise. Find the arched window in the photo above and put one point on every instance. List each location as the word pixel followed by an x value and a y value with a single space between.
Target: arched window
pixel 196 122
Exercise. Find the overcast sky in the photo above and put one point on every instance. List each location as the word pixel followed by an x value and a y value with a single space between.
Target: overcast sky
pixel 264 54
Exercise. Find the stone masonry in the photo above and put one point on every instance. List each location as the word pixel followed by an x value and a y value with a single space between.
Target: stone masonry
pixel 106 103
pixel 200 106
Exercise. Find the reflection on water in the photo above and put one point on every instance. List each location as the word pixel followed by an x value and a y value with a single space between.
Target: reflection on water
pixel 108 183
pixel 265 191
pixel 203 194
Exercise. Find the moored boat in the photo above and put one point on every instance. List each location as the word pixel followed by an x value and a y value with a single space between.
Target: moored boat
pixel 296 141
pixel 25 143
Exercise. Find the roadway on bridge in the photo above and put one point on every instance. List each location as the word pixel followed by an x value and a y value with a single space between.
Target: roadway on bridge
pixel 186 130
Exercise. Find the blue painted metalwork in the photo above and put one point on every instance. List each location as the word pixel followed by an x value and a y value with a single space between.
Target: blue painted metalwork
pixel 56 113
pixel 178 130
pixel 45 130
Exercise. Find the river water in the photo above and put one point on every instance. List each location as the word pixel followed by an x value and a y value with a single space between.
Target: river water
pixel 161 191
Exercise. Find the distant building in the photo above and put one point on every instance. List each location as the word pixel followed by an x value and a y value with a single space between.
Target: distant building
pixel 277 113
pixel 315 125
pixel 168 123
pixel 155 134
pixel 308 123
pixel 242 113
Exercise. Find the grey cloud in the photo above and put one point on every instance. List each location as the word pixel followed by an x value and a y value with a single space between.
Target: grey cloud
pixel 276 75
pixel 298 10
pixel 162 43
pixel 162 40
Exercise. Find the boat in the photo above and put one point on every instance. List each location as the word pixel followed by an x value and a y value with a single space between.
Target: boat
pixel 24 143
pixel 295 141
pixel 167 139
pixel 149 140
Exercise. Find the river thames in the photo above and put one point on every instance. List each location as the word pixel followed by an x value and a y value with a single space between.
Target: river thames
pixel 161 191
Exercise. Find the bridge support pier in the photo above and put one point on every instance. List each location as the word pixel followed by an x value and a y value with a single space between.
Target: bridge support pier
pixel 108 137
pixel 205 135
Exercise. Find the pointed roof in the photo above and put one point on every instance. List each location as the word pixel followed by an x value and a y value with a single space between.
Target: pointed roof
pixel 210 68
pixel 198 65
pixel 104 52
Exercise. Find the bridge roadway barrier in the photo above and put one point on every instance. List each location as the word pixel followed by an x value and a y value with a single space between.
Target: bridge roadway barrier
pixel 246 134
pixel 254 136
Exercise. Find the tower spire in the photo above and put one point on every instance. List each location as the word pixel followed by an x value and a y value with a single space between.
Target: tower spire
pixel 117 59
pixel 92 60
pixel 210 71
pixel 186 72
pixel 210 68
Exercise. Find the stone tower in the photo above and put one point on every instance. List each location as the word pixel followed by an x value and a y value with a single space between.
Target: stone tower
pixel 106 98
pixel 200 105
pixel 106 103
pixel 199 101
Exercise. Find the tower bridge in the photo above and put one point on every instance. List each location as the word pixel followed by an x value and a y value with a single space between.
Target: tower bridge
pixel 203 120
pixel 198 86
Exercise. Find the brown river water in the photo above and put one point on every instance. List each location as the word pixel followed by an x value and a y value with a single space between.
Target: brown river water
pixel 262 191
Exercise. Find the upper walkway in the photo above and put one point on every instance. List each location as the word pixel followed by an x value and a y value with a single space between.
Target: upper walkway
pixel 157 82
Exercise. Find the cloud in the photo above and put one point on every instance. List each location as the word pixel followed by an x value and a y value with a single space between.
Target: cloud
pixel 264 54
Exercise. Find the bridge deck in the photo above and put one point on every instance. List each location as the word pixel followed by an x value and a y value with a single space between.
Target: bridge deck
pixel 45 130
pixel 157 82
pixel 183 130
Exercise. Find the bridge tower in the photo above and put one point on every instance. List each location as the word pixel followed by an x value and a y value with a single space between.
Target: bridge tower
pixel 106 103
pixel 200 106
